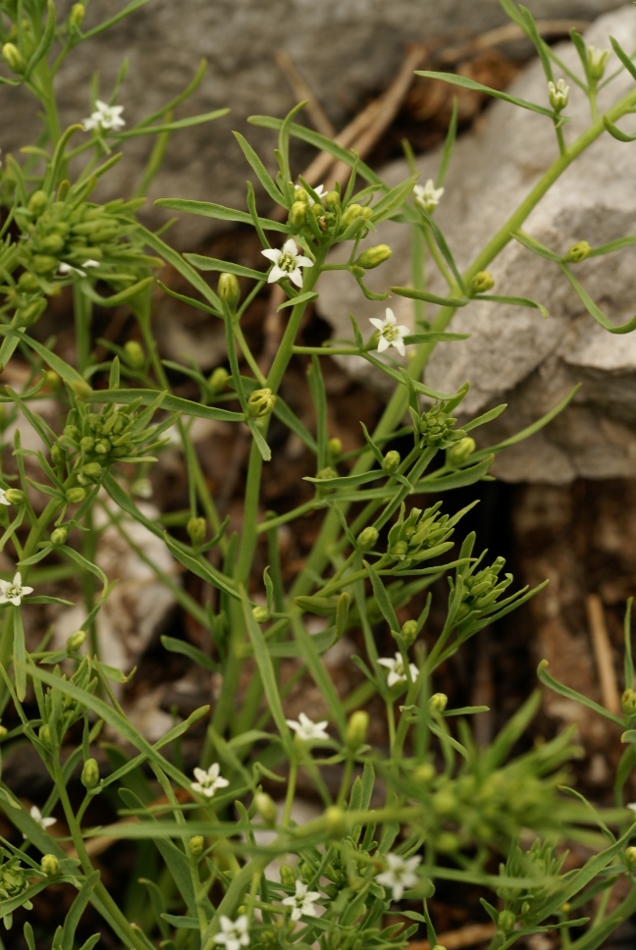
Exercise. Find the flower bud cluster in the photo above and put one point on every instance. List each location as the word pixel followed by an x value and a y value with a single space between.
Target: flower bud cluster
pixel 436 428
pixel 482 589
pixel 419 532
pixel 327 218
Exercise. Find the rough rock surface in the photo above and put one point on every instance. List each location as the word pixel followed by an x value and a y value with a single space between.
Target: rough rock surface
pixel 513 355
pixel 344 48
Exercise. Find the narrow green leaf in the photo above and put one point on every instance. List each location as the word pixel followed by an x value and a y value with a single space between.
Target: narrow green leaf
pixel 593 310
pixel 467 83
pixel 415 294
pixel 260 171
pixel 211 263
pixel 173 126
pixel 570 693
pixel 210 210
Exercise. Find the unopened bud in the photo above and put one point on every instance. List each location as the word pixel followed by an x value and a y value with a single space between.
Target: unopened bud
pixel 367 539
pixel 558 94
pixel 228 289
pixel 14 496
pixel 350 214
pixel 298 215
pixel 506 921
pixel 92 469
pixel 261 613
pixel 261 402
pixel 50 865
pixel 578 252
pixel 4 732
pixel 75 496
pixel 334 446
pixel 38 202
pixel 409 632
pixel 326 474
pixel 90 774
pixel 374 256
pixel 483 282
pixel 336 822
pixel 357 728
pixel 13 57
pixel 195 845
pixel 81 389
pixel 287 876
pixel 596 61
pixel 196 528
pixel 460 451
pixel 266 807
pixel 332 200
pixel 424 773
pixel 391 462
pixel 59 535
pixel 438 702
pixel 218 379
pixel 134 354
pixel 44 735
pixel 630 856
pixel 75 641
pixel 76 15
pixel 628 702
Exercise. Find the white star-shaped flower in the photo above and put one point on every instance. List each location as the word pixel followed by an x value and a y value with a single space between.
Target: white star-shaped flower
pixel 207 781
pixel 306 729
pixel 399 875
pixel 105 117
pixel 3 497
pixel 302 902
pixel 234 933
pixel 12 592
pixel 287 263
pixel 391 333
pixel 65 268
pixel 427 196
pixel 36 814
pixel 397 672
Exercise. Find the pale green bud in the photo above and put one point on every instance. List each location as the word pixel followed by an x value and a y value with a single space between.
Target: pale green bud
pixel 76 16
pixel 367 539
pixel 332 200
pixel 460 451
pixel 483 282
pixel 43 263
pixel 578 252
pixel 14 496
pixel 195 845
pixel 424 773
pixel 218 379
pixel 13 57
pixel 298 215
pixel 261 614
pixel 75 640
pixel 326 474
pixel 438 702
pixel 596 61
pixel 266 807
pixel 630 856
pixel 196 528
pixel 558 94
pixel 4 732
pixel 59 535
pixel 134 354
pixel 409 632
pixel 261 402
pixel 391 462
pixel 374 256
pixel 228 289
pixel 506 921
pixel 81 389
pixel 334 446
pixel 92 469
pixel 44 735
pixel 350 214
pixel 287 876
pixel 357 728
pixel 50 865
pixel 90 774
pixel 51 378
pixel 628 702
pixel 336 822
pixel 38 202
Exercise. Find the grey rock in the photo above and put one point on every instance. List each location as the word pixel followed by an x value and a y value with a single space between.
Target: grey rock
pixel 344 48
pixel 513 355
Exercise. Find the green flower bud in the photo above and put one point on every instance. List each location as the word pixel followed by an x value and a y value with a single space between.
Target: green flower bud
pixel 75 496
pixel 52 243
pixel 50 865
pixel 506 921
pixel 195 845
pixel 92 470
pixel 628 702
pixel 261 402
pixel 578 252
pixel 196 528
pixel 596 62
pixel 266 807
pixel 269 939
pixel 336 822
pixel 14 496
pixel 75 641
pixel 630 856
pixel 102 447
pixel 391 462
pixel 326 474
pixel 218 379
pixel 28 283
pixel 374 256
pixel 332 200
pixel 38 202
pixel 460 451
pixel 558 94
pixel 90 774
pixel 43 263
pixel 357 728
pixel 483 282
pixel 87 443
pixel 367 539
pixel 81 389
pixel 438 703
pixel 351 213
pixel 31 314
pixel 59 535
pixel 334 447
pixel 228 289
pixel 409 632
pixel 76 16
pixel 134 354
pixel 424 773
pixel 287 876
pixel 261 613
pixel 4 732
pixel 298 215
pixel 44 735
pixel 72 433
pixel 13 57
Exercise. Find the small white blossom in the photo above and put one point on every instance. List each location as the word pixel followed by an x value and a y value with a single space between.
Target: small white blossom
pixel 391 333
pixel 36 814
pixel 319 189
pixel 12 592
pixel 287 263
pixel 559 93
pixel 105 117
pixel 208 781
pixel 302 902
pixel 632 807
pixel 3 497
pixel 306 729
pixel 234 933
pixel 427 196
pixel 65 268
pixel 400 874
pixel 397 673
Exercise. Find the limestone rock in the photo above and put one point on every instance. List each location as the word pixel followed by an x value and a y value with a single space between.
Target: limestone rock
pixel 344 48
pixel 513 355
